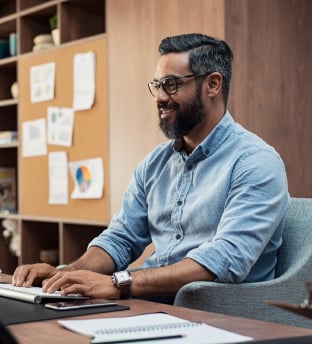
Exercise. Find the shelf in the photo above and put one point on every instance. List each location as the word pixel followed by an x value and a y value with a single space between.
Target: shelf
pixel 82 19
pixel 7 259
pixel 9 145
pixel 35 5
pixel 8 120
pixel 59 220
pixel 8 75
pixel 33 24
pixel 8 61
pixel 73 233
pixel 7 8
pixel 7 25
pixel 39 236
pixel 8 102
pixel 12 216
pixel 82 26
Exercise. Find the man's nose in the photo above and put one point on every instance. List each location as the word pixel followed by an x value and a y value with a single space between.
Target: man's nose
pixel 161 96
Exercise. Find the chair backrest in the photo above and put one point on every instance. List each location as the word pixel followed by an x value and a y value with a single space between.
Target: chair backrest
pixel 297 236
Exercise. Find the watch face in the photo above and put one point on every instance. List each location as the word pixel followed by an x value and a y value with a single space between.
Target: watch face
pixel 123 277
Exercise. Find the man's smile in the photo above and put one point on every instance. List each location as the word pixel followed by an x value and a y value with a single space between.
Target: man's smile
pixel 165 112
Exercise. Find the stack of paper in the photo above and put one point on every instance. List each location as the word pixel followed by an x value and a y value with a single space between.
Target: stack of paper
pixel 7 137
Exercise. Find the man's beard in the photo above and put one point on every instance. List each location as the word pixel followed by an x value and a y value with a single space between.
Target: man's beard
pixel 184 121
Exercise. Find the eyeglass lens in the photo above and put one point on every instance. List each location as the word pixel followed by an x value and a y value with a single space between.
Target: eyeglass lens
pixel 169 85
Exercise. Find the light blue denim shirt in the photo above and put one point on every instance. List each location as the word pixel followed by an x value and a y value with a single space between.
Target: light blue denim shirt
pixel 222 206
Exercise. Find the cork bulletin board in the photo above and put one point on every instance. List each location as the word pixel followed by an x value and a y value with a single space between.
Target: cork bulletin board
pixel 90 133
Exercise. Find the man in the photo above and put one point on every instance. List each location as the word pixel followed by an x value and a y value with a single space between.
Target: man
pixel 212 200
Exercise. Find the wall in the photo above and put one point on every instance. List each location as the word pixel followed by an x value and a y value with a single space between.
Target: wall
pixel 272 81
pixel 271 89
pixel 135 29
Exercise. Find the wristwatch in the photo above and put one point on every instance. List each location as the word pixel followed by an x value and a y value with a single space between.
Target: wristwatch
pixel 123 280
pixel 61 266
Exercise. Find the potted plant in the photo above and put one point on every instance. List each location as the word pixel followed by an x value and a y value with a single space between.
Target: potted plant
pixel 54 29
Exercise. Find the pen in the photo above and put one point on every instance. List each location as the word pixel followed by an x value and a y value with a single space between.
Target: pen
pixel 103 340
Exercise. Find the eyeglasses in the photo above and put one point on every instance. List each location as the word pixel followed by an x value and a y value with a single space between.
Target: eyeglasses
pixel 169 84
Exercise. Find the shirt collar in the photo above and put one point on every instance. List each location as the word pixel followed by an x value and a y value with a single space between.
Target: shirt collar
pixel 212 141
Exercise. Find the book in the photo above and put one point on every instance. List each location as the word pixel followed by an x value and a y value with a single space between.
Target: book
pixel 7 190
pixel 7 137
pixel 34 294
pixel 157 327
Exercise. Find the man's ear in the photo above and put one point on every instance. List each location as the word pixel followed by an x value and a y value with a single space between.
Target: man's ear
pixel 214 84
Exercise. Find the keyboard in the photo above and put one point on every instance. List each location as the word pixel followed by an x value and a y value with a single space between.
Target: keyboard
pixel 34 294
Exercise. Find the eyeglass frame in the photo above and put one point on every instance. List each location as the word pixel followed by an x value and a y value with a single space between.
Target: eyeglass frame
pixel 160 83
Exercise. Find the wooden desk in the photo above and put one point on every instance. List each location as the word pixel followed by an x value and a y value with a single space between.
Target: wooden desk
pixel 51 332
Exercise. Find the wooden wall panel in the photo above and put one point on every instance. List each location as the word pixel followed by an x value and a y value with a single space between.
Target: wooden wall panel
pixel 272 79
pixel 135 29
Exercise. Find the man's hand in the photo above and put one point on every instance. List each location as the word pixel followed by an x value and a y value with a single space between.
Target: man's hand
pixel 32 274
pixel 87 283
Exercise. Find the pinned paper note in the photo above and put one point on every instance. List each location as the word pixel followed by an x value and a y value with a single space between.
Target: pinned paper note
pixel 84 81
pixel 42 82
pixel 60 126
pixel 88 176
pixel 34 138
pixel 58 178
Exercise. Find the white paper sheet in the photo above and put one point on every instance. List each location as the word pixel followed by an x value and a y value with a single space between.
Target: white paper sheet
pixel 42 82
pixel 88 176
pixel 60 124
pixel 84 80
pixel 58 178
pixel 192 333
pixel 34 138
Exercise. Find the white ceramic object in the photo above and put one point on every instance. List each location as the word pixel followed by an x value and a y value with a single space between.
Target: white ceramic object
pixel 43 39
pixel 56 36
pixel 43 46
pixel 14 90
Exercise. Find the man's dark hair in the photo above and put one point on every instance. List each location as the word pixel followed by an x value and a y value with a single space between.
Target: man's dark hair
pixel 207 54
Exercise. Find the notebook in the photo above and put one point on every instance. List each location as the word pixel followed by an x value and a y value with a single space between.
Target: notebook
pixel 158 327
pixel 34 294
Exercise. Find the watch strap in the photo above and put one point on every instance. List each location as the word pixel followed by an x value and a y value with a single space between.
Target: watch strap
pixel 125 291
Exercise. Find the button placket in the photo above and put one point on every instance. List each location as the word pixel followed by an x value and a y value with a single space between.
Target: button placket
pixel 186 180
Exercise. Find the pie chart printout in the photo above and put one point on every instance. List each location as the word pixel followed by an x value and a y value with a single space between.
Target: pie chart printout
pixel 83 177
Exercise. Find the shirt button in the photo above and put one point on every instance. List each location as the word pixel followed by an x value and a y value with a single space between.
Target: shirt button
pixel 178 236
pixel 189 167
pixel 179 202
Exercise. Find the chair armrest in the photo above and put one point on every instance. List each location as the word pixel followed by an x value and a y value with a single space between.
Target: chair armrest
pixel 246 299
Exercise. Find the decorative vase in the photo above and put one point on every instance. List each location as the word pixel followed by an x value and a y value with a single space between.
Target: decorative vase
pixel 56 36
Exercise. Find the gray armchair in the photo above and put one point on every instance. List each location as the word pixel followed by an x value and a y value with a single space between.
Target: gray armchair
pixel 294 268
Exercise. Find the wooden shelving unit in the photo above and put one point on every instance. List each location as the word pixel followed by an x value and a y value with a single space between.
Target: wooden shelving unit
pixel 82 26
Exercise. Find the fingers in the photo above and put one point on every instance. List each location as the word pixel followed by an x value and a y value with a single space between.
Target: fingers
pixel 61 281
pixel 23 276
pixel 51 285
pixel 26 275
pixel 75 289
pixel 82 282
